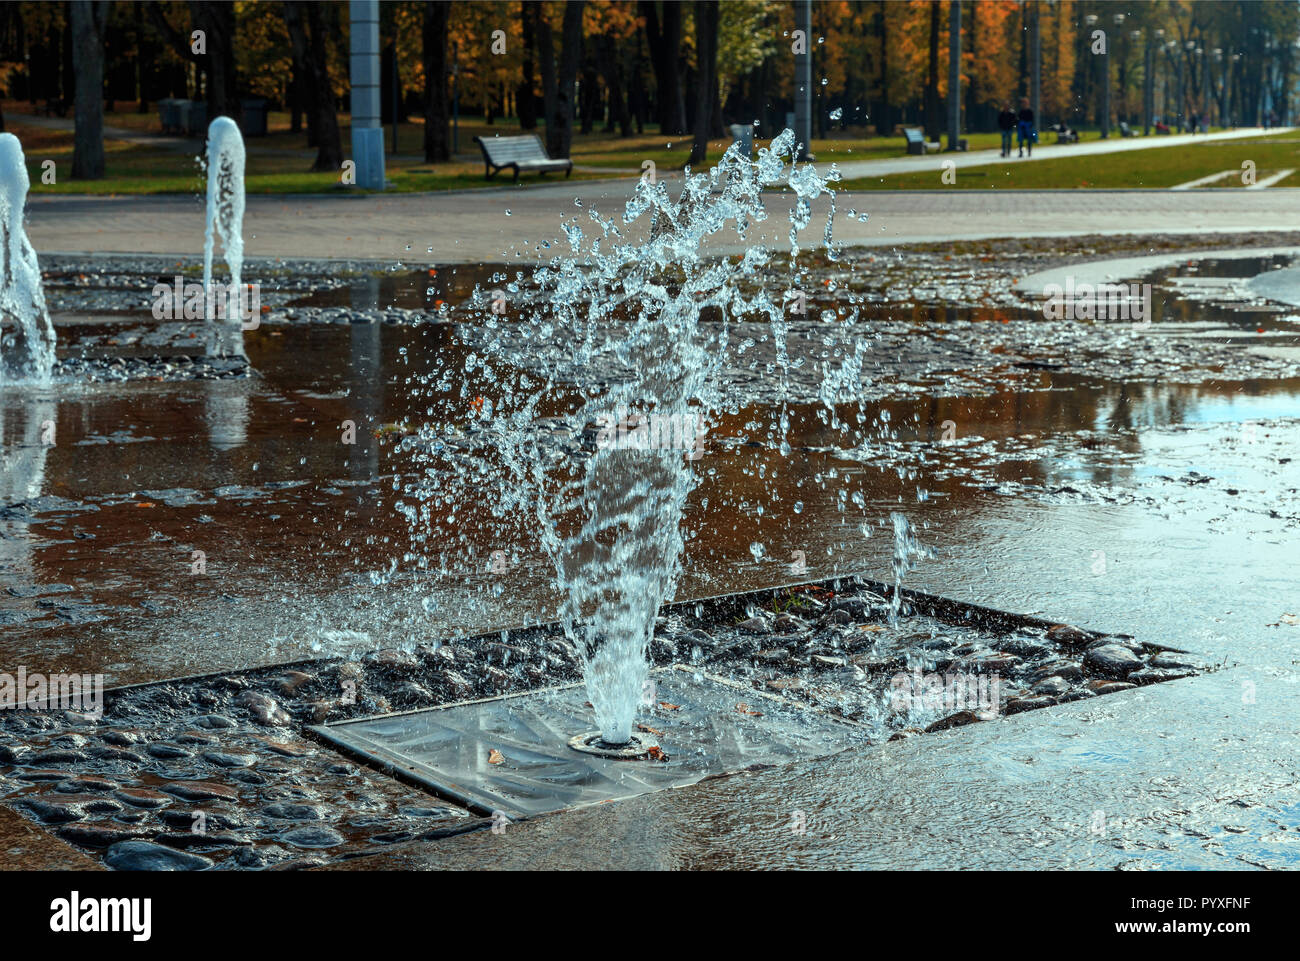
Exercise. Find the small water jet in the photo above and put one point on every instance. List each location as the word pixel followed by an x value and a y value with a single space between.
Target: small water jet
pixel 225 219
pixel 27 355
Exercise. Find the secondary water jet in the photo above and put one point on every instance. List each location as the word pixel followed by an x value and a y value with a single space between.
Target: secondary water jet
pixel 26 355
pixel 225 220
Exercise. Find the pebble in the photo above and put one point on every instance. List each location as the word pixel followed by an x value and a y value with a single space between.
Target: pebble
pixel 223 759
pixel 167 751
pixel 290 811
pixel 315 836
pixel 1054 685
pixel 293 680
pixel 265 709
pixel 456 684
pixel 1154 675
pixel 1100 686
pixel 143 797
pixel 86 782
pixel 1068 670
pixel 961 718
pixel 1112 660
pixel 98 835
pixel 217 722
pixel 789 624
pixel 54 809
pixel 195 737
pixel 288 750
pixel 199 791
pixel 148 856
pixel 1016 705
pixel 1169 660
pixel 755 625
pixel 120 738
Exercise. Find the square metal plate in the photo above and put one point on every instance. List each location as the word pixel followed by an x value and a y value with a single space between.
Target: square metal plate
pixel 713 726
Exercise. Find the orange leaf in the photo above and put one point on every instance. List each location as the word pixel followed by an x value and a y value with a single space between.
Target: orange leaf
pixel 743 708
pixel 145 504
pixel 656 754
pixel 649 730
pixel 496 757
pixel 669 707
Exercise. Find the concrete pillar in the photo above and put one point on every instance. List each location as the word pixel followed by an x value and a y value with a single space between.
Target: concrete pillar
pixel 367 133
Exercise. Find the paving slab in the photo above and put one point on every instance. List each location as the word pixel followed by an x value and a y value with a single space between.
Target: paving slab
pixel 1199 773
pixel 25 847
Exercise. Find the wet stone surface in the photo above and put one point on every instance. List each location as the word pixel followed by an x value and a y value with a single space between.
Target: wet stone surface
pixel 214 772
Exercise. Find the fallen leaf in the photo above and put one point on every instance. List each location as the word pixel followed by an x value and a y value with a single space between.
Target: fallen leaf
pixel 669 707
pixel 649 730
pixel 743 708
pixel 656 754
pixel 495 757
pixel 871 627
pixel 145 504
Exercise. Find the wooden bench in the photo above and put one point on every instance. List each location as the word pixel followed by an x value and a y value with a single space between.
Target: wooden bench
pixel 916 142
pixel 522 153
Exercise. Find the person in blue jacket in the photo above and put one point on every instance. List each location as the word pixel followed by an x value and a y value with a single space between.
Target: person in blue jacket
pixel 1025 128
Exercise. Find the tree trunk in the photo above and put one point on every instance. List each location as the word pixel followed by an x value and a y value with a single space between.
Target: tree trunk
pixel 608 55
pixel 88 19
pixel 884 125
pixel 665 57
pixel 932 80
pixel 706 72
pixel 308 41
pixel 217 20
pixel 559 113
pixel 526 97
pixel 437 130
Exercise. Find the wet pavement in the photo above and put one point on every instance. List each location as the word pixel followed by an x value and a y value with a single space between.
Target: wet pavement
pixel 1140 481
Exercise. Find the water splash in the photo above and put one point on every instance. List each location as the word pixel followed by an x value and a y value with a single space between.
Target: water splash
pixel 908 552
pixel 225 166
pixel 27 355
pixel 650 321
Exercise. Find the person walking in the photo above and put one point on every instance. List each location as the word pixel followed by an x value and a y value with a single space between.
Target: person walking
pixel 1007 124
pixel 1025 128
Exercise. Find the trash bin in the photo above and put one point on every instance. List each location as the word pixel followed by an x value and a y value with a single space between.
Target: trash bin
pixel 743 134
pixel 253 120
pixel 169 115
pixel 198 119
pixel 183 116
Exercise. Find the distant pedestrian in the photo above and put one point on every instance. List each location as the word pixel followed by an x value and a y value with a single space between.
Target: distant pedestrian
pixel 1025 128
pixel 1007 124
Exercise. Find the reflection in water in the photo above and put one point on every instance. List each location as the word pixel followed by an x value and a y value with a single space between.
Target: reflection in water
pixel 27 433
pixel 225 410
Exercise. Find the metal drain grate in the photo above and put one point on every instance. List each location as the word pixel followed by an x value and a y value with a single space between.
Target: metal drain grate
pixel 512 754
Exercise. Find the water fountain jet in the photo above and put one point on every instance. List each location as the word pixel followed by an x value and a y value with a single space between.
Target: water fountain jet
pixel 32 356
pixel 225 219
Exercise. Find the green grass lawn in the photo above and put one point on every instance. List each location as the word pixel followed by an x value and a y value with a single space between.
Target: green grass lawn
pixel 1157 167
pixel 280 162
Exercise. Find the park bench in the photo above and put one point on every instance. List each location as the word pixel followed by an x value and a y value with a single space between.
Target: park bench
pixel 1064 134
pixel 916 142
pixel 522 153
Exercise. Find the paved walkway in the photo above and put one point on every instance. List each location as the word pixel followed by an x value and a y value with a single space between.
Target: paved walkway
pixel 511 224
pixel 1044 151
